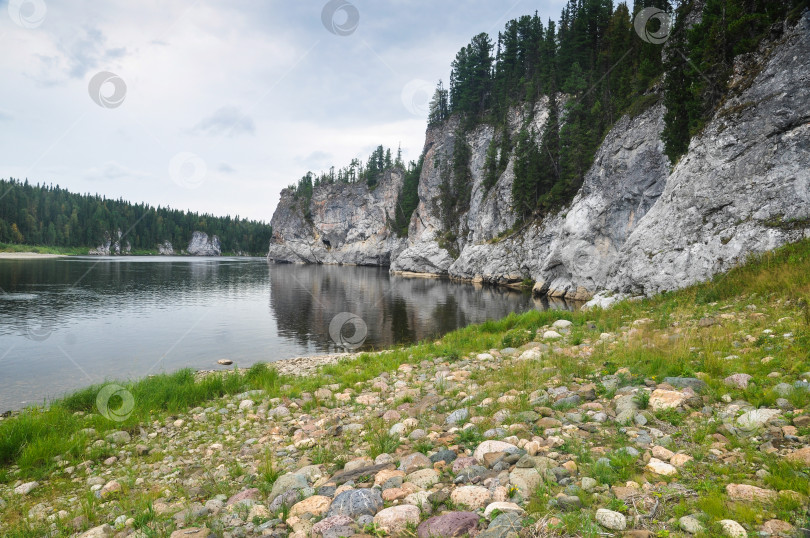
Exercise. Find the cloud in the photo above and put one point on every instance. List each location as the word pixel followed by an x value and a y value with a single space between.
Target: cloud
pixel 225 121
pixel 115 171
pixel 75 55
pixel 317 160
pixel 259 90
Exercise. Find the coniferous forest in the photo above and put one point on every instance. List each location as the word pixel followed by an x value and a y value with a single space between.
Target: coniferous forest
pixel 593 67
pixel 52 216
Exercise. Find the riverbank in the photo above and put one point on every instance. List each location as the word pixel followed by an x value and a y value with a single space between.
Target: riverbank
pixel 683 414
pixel 15 251
pixel 27 255
pixel 295 366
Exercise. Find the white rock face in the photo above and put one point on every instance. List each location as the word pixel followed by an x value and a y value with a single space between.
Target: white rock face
pixel 490 211
pixel 202 245
pixel 562 324
pixel 570 254
pixel 165 249
pixel 26 488
pixel 733 529
pixel 690 524
pixel 756 418
pixel 493 446
pixel 742 188
pixel 472 497
pixel 349 224
pixel 98 532
pixel 504 507
pixel 108 247
pixel 394 520
pixel 660 467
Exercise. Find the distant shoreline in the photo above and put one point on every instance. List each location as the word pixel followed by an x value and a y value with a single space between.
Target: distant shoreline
pixel 11 255
pixel 28 255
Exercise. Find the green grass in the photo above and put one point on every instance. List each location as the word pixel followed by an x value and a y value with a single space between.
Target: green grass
pixel 41 249
pixel 34 437
pixel 268 472
pixel 380 440
pixel 642 399
pixel 469 437
pixel 516 338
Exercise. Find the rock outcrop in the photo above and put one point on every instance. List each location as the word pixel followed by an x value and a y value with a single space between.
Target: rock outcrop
pixel 744 185
pixel 569 254
pixel 490 210
pixel 111 248
pixel 202 245
pixel 349 224
pixel 165 249
pixel 638 225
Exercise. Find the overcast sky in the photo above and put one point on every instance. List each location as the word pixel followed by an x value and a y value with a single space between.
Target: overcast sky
pixel 217 106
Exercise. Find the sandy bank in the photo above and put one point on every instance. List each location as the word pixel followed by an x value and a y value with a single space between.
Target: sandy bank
pixel 27 255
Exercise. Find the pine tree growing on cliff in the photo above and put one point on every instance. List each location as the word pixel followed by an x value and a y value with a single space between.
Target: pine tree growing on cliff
pixel 439 105
pixel 548 166
pixel 522 186
pixel 677 96
pixel 471 77
pixel 408 197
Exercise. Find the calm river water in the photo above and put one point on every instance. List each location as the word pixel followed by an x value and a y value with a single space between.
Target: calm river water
pixel 66 323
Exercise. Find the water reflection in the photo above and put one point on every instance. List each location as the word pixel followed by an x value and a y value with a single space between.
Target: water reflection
pixel 69 322
pixel 395 309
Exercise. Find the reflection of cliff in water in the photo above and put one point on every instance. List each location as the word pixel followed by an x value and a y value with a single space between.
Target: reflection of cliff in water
pixel 305 298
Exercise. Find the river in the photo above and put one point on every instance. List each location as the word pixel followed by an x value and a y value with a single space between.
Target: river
pixel 66 323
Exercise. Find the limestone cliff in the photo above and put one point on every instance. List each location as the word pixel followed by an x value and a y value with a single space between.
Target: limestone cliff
pixel 202 245
pixel 348 223
pixel 108 247
pixel 744 185
pixel 569 254
pixel 639 224
pixel 490 210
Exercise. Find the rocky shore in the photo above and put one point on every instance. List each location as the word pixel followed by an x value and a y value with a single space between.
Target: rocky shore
pixel 562 435
pixel 297 366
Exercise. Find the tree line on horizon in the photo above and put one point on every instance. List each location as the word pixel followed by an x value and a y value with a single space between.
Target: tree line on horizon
pixel 52 216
